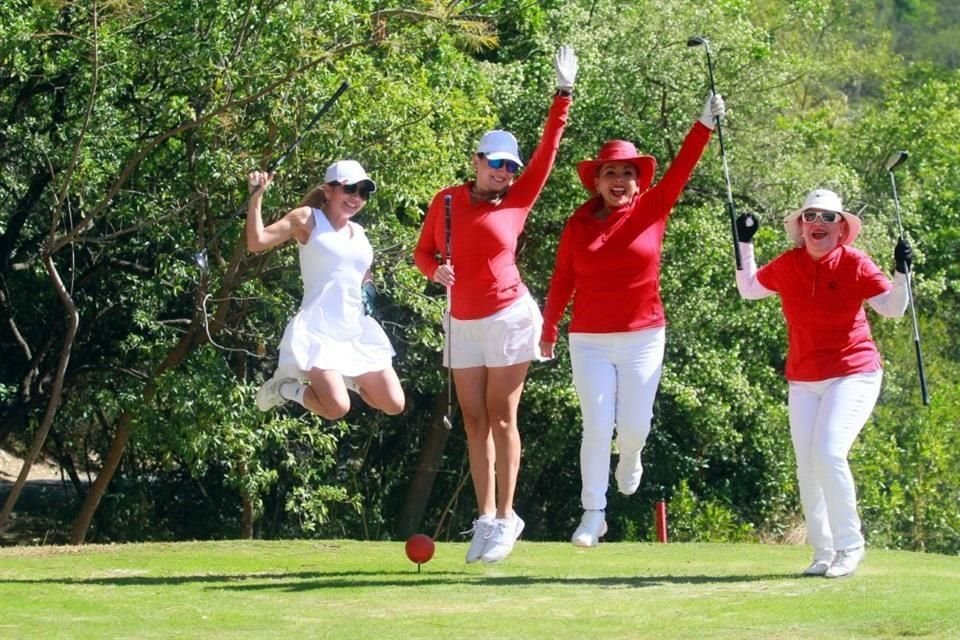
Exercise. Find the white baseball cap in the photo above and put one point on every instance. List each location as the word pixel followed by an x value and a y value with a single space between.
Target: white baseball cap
pixel 499 145
pixel 822 200
pixel 347 172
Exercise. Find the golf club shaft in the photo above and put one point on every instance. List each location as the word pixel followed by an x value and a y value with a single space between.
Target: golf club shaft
pixel 726 170
pixel 447 214
pixel 275 165
pixel 924 395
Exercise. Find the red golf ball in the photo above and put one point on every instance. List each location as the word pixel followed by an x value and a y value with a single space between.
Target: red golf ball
pixel 419 548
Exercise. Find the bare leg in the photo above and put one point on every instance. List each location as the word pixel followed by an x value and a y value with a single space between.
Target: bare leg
pixel 471 393
pixel 382 390
pixel 504 386
pixel 326 396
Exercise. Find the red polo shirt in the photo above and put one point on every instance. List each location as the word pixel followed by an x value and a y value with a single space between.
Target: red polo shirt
pixel 822 301
pixel 611 267
pixel 484 235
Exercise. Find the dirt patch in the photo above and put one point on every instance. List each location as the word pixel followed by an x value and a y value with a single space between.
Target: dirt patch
pixel 11 465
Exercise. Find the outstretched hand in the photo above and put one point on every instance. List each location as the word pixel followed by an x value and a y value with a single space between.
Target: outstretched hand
pixel 565 64
pixel 747 225
pixel 903 255
pixel 713 109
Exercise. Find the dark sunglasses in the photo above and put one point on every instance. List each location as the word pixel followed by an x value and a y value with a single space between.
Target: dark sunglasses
pixel 499 163
pixel 827 217
pixel 364 188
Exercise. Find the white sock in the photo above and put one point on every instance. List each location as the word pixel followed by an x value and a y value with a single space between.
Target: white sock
pixel 293 391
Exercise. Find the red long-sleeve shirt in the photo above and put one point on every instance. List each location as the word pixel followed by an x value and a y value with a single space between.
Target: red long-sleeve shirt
pixel 822 301
pixel 484 235
pixel 611 267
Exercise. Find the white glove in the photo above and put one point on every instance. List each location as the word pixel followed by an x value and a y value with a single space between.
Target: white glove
pixel 713 110
pixel 565 62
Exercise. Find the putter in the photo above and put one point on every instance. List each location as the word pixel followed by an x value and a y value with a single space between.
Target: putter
pixel 894 161
pixel 696 41
pixel 448 418
pixel 200 257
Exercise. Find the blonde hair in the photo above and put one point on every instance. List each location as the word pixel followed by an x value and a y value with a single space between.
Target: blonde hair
pixel 316 198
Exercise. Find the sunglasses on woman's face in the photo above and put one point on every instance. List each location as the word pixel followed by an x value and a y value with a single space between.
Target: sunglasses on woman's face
pixel 499 163
pixel 363 187
pixel 827 217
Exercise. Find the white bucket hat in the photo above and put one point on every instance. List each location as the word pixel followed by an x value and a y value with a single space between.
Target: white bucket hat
pixel 822 200
pixel 500 145
pixel 347 172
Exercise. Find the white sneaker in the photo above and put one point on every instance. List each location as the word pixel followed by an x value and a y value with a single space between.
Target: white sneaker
pixel 268 395
pixel 351 384
pixel 817 568
pixel 593 526
pixel 822 559
pixel 482 530
pixel 629 471
pixel 504 535
pixel 845 563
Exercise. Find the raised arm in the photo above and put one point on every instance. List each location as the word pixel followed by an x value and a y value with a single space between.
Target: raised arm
pixel 534 177
pixel 260 237
pixel 677 175
pixel 747 283
pixel 893 302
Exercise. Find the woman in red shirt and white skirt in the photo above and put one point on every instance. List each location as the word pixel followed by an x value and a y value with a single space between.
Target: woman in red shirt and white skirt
pixel 833 367
pixel 495 323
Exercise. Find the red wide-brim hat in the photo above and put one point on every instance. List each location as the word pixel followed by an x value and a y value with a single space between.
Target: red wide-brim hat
pixel 618 151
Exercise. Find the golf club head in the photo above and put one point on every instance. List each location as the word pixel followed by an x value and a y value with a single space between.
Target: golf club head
pixel 447 423
pixel 696 41
pixel 896 159
pixel 200 259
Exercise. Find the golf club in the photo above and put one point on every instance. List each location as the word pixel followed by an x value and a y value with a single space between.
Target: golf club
pixel 894 161
pixel 200 258
pixel 448 418
pixel 696 41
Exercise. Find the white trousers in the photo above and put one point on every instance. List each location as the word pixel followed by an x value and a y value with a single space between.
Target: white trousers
pixel 616 376
pixel 825 419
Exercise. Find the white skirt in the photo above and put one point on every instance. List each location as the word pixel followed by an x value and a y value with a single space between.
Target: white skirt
pixel 305 346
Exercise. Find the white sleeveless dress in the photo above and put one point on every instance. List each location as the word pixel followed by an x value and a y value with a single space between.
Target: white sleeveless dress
pixel 330 331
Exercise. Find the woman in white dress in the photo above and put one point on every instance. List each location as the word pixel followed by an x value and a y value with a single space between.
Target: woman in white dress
pixel 330 345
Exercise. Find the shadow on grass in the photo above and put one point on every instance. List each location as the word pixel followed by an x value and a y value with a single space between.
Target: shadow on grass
pixel 313 580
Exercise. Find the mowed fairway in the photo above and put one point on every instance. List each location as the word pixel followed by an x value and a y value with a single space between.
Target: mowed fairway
pixel 348 589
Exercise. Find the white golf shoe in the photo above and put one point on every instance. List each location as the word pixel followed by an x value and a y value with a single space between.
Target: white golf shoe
pixel 817 568
pixel 822 559
pixel 629 471
pixel 504 535
pixel 268 395
pixel 593 526
pixel 482 530
pixel 845 563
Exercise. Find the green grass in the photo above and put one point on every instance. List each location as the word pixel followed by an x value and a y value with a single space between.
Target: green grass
pixel 347 589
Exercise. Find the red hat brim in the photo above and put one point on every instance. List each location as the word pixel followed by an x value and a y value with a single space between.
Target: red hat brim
pixel 646 167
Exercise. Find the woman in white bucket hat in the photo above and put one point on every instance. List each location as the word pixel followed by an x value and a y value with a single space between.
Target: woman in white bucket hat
pixel 494 322
pixel 331 342
pixel 833 367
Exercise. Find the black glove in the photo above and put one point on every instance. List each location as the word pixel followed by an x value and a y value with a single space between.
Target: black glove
pixel 747 225
pixel 368 294
pixel 903 255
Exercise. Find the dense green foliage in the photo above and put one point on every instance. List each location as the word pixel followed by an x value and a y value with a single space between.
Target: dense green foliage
pixel 127 127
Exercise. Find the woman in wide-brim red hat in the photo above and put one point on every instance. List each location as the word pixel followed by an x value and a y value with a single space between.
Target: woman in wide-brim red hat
pixel 608 262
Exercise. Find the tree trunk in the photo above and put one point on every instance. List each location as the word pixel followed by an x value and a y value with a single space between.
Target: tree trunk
pixel 73 322
pixel 435 438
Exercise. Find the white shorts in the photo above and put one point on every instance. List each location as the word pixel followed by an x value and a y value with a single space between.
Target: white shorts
pixel 509 336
